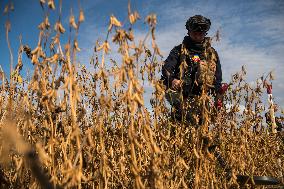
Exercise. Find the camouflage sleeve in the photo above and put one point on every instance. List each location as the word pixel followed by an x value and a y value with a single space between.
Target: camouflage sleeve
pixel 218 74
pixel 170 66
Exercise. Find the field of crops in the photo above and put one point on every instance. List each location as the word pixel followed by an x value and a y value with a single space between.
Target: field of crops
pixel 71 125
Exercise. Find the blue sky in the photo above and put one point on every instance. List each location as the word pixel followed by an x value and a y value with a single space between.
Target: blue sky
pixel 251 30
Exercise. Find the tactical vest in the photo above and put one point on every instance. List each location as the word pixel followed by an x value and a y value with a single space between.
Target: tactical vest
pixel 197 69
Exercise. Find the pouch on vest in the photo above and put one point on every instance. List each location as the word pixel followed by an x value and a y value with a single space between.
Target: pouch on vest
pixel 206 73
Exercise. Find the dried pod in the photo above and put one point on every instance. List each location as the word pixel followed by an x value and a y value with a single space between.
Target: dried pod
pixel 271 76
pixel 60 27
pixel 130 35
pixel 156 48
pixel 56 39
pixel 6 9
pixel 76 45
pixel 8 26
pixel 128 59
pixel 81 16
pixel 151 20
pixel 1 73
pixel 138 99
pixel 12 8
pixel 53 59
pixel 35 51
pixel 41 26
pixel 196 153
pixel 46 23
pixel 218 35
pixel 72 22
pixel 119 36
pixel 51 4
pixel 113 22
pixel 244 70
pixel 133 17
pixel 34 59
pixel 105 46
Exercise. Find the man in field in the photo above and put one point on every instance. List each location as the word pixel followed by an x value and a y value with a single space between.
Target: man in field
pixel 190 68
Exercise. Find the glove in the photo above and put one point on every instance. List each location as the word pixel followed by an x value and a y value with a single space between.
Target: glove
pixel 221 92
pixel 219 104
pixel 224 88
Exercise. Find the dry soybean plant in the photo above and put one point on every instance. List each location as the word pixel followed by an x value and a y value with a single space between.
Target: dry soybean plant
pixel 78 128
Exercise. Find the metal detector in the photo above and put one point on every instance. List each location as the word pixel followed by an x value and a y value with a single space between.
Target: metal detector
pixel 242 179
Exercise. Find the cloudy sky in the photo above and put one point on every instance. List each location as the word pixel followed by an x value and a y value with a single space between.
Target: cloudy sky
pixel 252 31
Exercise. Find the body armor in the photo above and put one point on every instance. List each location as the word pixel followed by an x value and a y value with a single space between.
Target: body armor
pixel 197 69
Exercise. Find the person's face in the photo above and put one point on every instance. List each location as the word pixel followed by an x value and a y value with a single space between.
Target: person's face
pixel 197 36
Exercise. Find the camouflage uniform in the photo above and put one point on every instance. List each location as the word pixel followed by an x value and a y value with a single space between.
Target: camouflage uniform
pixel 181 64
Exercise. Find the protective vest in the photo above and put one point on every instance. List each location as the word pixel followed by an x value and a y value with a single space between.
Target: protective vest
pixel 197 69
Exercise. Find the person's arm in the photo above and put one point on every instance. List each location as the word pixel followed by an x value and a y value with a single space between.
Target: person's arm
pixel 170 66
pixel 218 75
pixel 219 89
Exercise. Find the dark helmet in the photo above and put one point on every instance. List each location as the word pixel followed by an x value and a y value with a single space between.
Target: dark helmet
pixel 198 23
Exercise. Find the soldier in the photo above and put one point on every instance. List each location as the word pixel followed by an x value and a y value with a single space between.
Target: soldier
pixel 191 65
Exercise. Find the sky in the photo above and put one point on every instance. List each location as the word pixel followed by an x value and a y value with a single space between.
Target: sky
pixel 251 30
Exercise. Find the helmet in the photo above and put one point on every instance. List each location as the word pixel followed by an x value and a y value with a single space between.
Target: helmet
pixel 198 23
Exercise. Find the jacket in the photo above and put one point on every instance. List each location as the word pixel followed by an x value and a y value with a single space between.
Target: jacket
pixel 171 67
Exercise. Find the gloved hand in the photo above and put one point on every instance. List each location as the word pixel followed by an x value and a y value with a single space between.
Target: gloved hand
pixel 224 88
pixel 219 98
pixel 176 84
pixel 219 104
